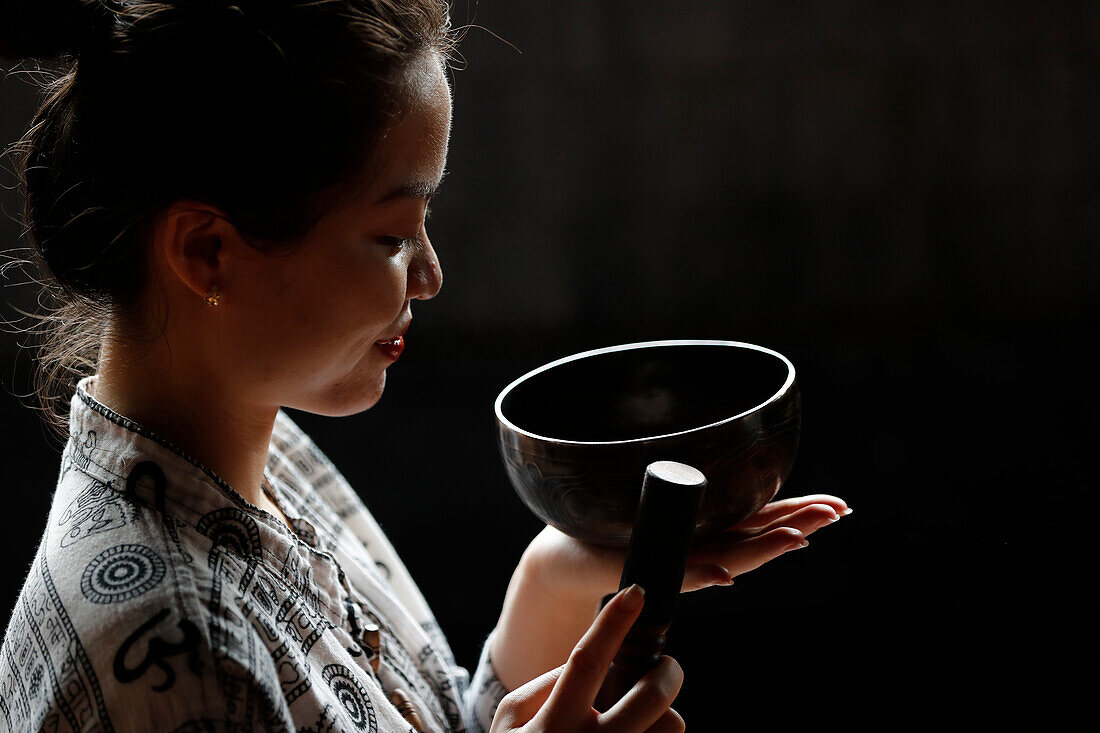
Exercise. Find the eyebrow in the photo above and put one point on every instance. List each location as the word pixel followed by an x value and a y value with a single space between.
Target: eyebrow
pixel 413 190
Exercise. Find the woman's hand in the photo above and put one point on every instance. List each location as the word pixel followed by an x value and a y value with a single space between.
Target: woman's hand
pixel 561 699
pixel 558 585
pixel 572 570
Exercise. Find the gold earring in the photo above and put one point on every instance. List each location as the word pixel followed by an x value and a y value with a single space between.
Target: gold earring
pixel 213 296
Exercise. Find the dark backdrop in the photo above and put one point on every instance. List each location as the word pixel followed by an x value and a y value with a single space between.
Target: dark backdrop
pixel 902 198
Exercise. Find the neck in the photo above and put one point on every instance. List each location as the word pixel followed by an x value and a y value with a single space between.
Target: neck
pixel 203 416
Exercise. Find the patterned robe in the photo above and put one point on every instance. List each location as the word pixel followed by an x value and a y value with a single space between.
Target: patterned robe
pixel 160 600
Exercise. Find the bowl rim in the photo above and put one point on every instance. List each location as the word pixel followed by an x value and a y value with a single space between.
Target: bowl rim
pixel 502 420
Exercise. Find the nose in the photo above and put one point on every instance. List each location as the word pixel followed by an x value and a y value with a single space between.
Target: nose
pixel 425 273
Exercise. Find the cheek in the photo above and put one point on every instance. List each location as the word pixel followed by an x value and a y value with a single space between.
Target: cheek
pixel 313 315
pixel 354 302
pixel 376 293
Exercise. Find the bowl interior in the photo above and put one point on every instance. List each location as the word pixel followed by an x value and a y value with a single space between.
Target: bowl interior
pixel 643 392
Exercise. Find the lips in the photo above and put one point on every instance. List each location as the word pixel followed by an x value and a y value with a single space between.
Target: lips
pixel 393 346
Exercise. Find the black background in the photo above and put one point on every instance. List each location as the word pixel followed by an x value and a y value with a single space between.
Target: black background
pixel 902 198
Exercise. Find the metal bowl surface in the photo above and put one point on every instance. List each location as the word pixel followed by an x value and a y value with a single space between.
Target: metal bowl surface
pixel 577 434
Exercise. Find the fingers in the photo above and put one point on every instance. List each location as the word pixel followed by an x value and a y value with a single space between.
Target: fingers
pixel 749 554
pixel 739 552
pixel 703 575
pixel 806 520
pixel 576 689
pixel 777 509
pixel 670 722
pixel 780 527
pixel 648 701
pixel 522 703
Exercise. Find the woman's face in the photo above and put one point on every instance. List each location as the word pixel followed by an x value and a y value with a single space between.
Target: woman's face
pixel 308 325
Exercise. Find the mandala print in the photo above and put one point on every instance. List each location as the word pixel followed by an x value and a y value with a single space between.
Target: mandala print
pixel 232 530
pixel 352 696
pixel 121 573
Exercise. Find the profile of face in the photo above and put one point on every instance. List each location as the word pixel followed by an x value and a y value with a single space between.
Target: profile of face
pixel 302 329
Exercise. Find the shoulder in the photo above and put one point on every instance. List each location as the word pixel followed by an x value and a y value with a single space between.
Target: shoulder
pixel 111 627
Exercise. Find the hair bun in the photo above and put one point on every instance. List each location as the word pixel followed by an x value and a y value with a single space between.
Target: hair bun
pixel 48 28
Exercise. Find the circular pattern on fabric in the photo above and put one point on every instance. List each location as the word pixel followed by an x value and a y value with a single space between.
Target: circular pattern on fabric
pixel 121 573
pixel 352 696
pixel 233 531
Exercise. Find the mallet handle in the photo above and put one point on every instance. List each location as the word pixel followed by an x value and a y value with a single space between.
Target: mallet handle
pixel 655 559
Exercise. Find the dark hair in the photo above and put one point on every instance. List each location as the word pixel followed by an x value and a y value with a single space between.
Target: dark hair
pixel 266 109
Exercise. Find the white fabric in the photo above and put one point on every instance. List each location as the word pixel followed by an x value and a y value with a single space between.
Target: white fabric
pixel 160 600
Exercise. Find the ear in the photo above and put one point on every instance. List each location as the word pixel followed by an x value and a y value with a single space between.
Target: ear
pixel 191 238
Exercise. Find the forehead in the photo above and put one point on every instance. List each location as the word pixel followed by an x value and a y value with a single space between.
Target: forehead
pixel 412 150
pixel 414 146
pixel 426 83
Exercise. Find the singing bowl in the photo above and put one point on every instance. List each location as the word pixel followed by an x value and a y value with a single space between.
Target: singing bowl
pixel 577 434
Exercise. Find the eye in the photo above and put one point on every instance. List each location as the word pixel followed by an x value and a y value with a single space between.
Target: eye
pixel 397 242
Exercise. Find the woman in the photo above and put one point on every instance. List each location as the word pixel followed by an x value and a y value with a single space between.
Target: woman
pixel 228 199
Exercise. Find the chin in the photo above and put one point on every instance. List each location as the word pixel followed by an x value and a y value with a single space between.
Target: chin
pixel 346 398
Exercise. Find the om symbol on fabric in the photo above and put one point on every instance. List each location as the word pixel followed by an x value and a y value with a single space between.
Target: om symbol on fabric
pixel 158 650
